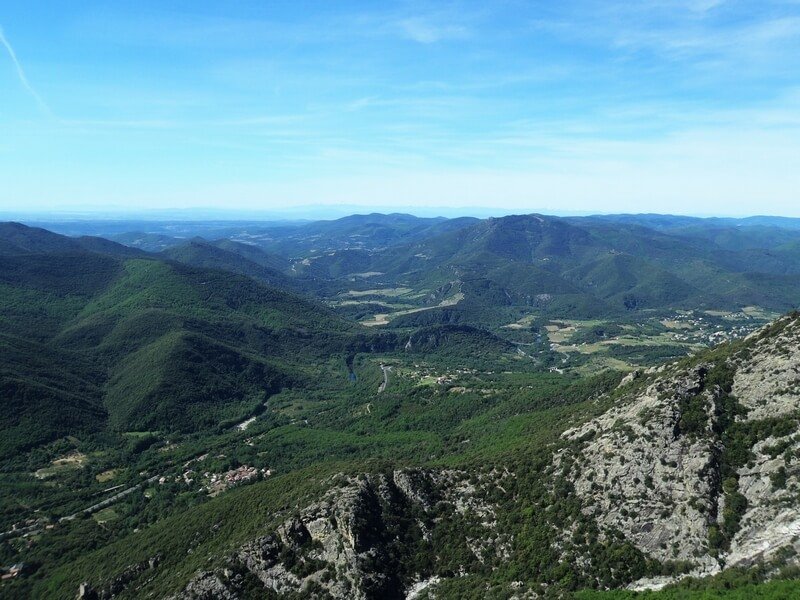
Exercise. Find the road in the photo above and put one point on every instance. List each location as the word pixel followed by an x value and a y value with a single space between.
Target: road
pixel 108 501
pixel 93 508
pixel 385 370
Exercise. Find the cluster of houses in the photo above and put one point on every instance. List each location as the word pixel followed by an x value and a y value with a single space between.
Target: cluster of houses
pixel 219 482
pixel 703 331
pixel 215 483
pixel 422 371
pixel 27 528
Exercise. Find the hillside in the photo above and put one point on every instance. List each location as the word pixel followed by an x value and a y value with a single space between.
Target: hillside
pixel 176 428
pixel 670 283
pixel 234 257
pixel 146 339
pixel 106 350
pixel 577 268
pixel 682 474
pixel 636 266
pixel 538 264
pixel 542 282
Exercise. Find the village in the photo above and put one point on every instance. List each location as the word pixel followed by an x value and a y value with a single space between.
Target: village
pixel 216 483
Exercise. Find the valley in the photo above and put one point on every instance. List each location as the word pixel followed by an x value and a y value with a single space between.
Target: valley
pixel 415 408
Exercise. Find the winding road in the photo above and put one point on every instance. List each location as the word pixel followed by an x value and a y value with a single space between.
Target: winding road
pixel 385 370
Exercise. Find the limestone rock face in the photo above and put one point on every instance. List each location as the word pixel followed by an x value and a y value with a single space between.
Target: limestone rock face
pixel 639 477
pixel 771 525
pixel 699 468
pixel 768 381
pixel 207 586
pixel 354 541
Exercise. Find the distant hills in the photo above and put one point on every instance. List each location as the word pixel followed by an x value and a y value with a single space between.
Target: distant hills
pixel 96 335
pixel 582 267
pixel 291 238
pixel 103 312
pixel 559 266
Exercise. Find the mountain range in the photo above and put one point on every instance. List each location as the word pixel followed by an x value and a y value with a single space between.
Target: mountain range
pixel 392 407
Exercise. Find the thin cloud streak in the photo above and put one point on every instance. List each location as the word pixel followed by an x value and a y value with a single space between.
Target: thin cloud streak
pixel 23 78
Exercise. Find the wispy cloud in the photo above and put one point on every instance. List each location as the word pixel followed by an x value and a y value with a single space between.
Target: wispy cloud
pixel 746 41
pixel 22 77
pixel 683 30
pixel 425 31
pixel 169 28
pixel 705 5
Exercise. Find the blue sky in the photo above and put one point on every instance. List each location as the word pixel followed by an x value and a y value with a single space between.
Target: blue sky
pixel 680 106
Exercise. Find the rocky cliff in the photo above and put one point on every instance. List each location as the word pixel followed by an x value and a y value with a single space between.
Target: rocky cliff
pixel 697 463
pixel 372 536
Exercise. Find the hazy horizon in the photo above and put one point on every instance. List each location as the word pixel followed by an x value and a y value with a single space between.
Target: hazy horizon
pixel 310 213
pixel 323 213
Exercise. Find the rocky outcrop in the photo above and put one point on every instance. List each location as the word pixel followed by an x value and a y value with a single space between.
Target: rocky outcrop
pixel 697 463
pixel 638 475
pixel 208 586
pixel 767 381
pixel 770 529
pixel 359 540
pixel 121 582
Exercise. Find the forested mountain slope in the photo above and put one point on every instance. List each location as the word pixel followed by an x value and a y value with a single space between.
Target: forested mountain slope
pixel 184 430
pixel 575 268
pixel 684 471
pixel 140 343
